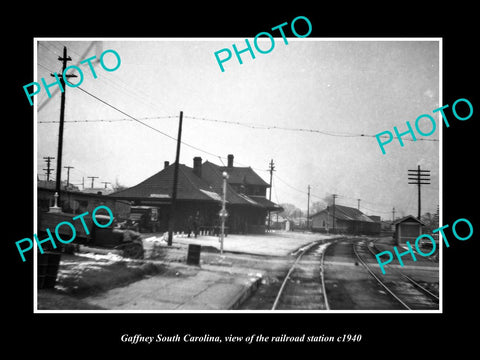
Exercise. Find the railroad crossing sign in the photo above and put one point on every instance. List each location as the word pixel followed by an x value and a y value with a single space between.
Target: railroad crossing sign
pixel 223 213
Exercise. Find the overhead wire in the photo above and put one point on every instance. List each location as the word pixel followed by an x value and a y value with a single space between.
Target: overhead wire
pixel 266 127
pixel 250 125
pixel 107 79
pixel 145 124
pixel 184 143
pixel 275 127
pixel 122 86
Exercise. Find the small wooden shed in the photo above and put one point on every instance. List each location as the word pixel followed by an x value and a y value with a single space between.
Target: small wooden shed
pixel 408 229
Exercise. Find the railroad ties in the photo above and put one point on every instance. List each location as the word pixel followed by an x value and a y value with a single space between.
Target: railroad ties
pixel 403 288
pixel 354 281
pixel 343 275
pixel 303 287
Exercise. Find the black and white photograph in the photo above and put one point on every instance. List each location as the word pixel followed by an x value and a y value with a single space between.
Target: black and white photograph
pixel 270 184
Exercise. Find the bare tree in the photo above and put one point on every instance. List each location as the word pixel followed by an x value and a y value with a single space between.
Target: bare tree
pixel 117 186
pixel 317 206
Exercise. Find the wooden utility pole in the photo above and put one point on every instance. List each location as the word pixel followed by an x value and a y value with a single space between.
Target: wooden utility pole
pixel 105 183
pixel 223 212
pixel 272 169
pixel 92 177
pixel 308 207
pixel 419 177
pixel 171 222
pixel 48 160
pixel 68 173
pixel 64 60
pixel 333 225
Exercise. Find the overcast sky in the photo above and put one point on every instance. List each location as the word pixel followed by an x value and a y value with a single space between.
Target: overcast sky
pixel 337 87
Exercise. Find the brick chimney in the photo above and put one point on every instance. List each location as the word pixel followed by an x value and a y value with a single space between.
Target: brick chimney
pixel 197 166
pixel 230 161
pixel 166 164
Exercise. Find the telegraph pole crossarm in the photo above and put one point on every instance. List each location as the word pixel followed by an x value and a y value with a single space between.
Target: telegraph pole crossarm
pixel 93 178
pixel 419 177
pixel 48 159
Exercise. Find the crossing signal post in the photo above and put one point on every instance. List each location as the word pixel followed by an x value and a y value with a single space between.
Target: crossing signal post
pixel 419 177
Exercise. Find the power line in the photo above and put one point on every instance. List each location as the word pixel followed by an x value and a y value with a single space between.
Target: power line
pixel 299 190
pixel 118 84
pixel 131 118
pixel 144 124
pixel 47 48
pixel 110 120
pixel 274 127
pixel 376 211
pixel 290 186
pixel 336 196
pixel 257 127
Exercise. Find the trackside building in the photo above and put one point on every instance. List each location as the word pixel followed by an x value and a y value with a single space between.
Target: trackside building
pixel 408 229
pixel 345 220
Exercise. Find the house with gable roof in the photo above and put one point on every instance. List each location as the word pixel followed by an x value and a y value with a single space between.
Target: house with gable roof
pixel 344 219
pixel 199 195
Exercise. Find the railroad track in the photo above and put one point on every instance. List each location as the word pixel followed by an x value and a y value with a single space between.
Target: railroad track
pixel 408 292
pixel 374 251
pixel 303 288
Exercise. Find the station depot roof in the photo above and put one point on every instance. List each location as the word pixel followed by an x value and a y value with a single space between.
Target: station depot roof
pixel 159 187
pixel 208 186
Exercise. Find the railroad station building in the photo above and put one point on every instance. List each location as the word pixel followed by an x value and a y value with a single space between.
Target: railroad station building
pixel 199 196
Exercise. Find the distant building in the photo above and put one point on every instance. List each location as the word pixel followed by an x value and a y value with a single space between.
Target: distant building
pixel 98 191
pixel 199 195
pixel 408 229
pixel 78 202
pixel 279 222
pixel 344 219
